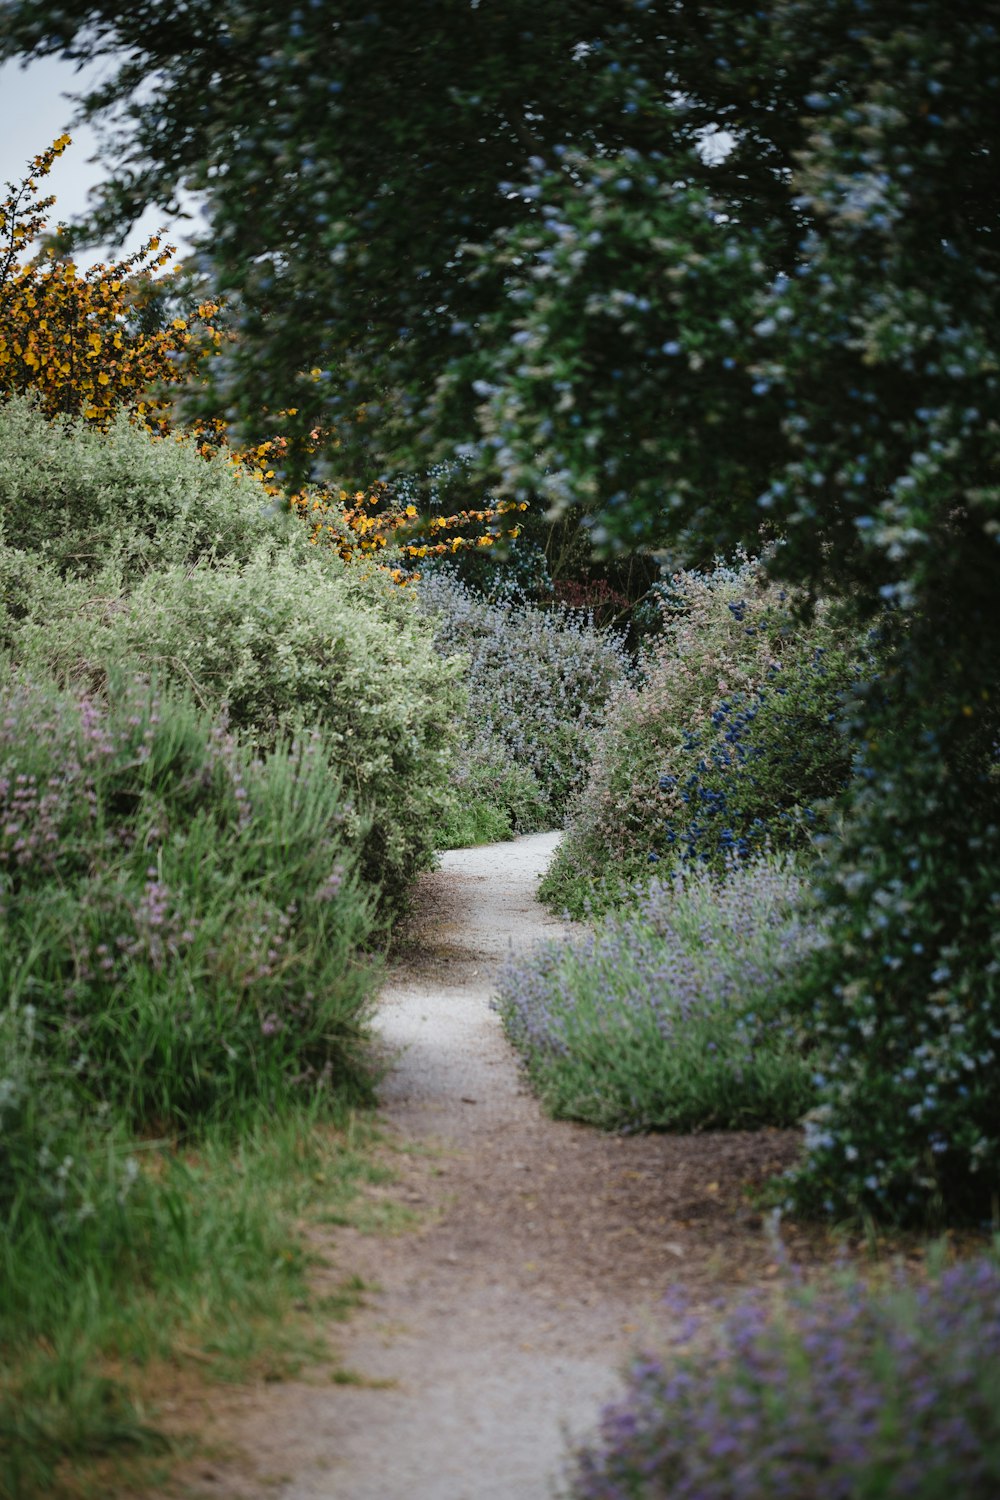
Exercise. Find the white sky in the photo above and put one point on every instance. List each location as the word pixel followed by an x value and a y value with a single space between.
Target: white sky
pixel 34 110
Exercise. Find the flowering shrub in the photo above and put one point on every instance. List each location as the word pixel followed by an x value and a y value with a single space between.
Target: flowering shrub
pixel 727 745
pixel 907 1125
pixel 79 341
pixel 667 1015
pixel 852 1393
pixel 183 919
pixel 538 683
pixel 95 345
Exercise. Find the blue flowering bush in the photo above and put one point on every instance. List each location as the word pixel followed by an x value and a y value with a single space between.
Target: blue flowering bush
pixel 728 745
pixel 849 1392
pixel 668 1013
pixel 184 918
pixel 905 1003
pixel 538 682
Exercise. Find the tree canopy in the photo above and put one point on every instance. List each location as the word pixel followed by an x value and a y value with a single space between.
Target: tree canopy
pixel 493 229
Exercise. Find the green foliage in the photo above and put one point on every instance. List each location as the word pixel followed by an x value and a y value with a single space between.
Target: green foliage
pixel 184 920
pixel 85 500
pixel 728 745
pixel 285 639
pixel 906 1006
pixel 116 1253
pixel 668 1014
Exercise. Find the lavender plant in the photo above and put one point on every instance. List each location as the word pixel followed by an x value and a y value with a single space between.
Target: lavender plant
pixel 850 1392
pixel 727 745
pixel 667 1014
pixel 185 919
pixel 538 683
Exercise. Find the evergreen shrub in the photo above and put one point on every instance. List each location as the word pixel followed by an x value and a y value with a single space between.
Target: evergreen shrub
pixel 86 499
pixel 288 637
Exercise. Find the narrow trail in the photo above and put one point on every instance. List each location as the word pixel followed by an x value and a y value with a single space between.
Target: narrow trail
pixel 542 1257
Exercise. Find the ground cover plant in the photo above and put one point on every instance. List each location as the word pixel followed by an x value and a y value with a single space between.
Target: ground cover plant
pixel 668 1014
pixel 850 1392
pixel 538 683
pixel 728 743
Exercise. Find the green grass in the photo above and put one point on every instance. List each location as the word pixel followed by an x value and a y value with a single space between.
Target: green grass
pixel 210 1267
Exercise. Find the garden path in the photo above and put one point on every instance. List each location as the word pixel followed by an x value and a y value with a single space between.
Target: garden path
pixel 543 1250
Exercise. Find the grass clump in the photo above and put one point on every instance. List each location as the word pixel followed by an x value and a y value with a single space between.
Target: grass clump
pixel 538 684
pixel 117 1254
pixel 850 1392
pixel 667 1014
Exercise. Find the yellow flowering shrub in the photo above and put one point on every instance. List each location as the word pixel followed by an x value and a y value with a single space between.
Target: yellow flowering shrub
pixel 76 339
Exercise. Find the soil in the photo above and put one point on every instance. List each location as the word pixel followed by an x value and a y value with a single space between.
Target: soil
pixel 542 1257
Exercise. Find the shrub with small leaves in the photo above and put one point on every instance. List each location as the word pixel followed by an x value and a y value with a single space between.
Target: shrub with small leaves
pixel 288 637
pixel 86 498
pixel 907 1125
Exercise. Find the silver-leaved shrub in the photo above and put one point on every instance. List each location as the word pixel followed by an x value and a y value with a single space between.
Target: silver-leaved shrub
pixel 538 682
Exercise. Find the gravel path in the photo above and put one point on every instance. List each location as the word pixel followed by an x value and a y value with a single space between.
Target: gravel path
pixel 543 1254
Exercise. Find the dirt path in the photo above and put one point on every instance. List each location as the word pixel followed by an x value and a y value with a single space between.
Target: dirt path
pixel 544 1253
